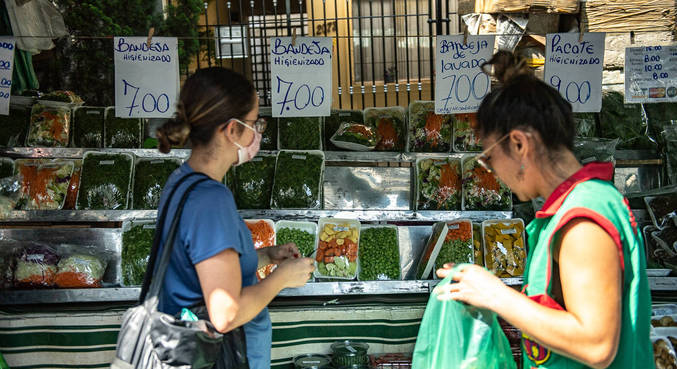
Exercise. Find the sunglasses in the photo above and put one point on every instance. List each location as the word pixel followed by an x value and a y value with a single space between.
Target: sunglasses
pixel 259 125
pixel 484 158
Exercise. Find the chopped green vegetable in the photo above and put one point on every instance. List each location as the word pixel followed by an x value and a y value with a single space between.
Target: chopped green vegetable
pixel 301 133
pixel 454 251
pixel 254 181
pixel 623 121
pixel 14 127
pixel 136 245
pixel 379 254
pixel 586 124
pixel 333 122
pixel 428 132
pixel 592 149
pixel 439 184
pixel 269 137
pixel 341 268
pixel 105 181
pixel 298 180
pixel 150 177
pixel 305 241
pixel 88 127
pixel 122 133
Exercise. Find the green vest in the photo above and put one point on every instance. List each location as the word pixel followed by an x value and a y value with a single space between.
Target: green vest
pixel 599 201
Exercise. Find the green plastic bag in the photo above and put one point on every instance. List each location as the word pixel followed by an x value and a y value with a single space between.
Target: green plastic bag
pixel 454 335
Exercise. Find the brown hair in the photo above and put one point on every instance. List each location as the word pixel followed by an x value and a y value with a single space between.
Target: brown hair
pixel 208 99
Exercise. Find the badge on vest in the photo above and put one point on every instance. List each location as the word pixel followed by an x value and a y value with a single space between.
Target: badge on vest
pixel 538 354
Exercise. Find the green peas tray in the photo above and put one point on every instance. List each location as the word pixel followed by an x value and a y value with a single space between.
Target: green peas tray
pixel 303 234
pixel 379 257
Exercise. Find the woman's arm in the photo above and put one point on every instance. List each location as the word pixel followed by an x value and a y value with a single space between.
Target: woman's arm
pixel 229 305
pixel 589 330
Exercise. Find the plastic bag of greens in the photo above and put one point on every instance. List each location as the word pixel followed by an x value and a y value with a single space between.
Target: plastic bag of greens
pixel 36 266
pixel 80 270
pixel 623 121
pixel 105 181
pixel 137 240
pixel 254 181
pixel 670 137
pixel 586 124
pixel 298 180
pixel 592 149
pixel 454 335
pixel 269 137
pixel 333 122
pixel 124 133
pixel 301 133
pixel 15 126
pixel 150 176
pixel 88 127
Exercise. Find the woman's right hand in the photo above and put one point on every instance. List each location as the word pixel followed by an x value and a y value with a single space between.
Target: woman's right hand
pixel 295 272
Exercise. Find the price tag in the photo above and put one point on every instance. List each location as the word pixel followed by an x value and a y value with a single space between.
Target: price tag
pixel 460 83
pixel 6 68
pixel 650 74
pixel 574 68
pixel 146 78
pixel 301 76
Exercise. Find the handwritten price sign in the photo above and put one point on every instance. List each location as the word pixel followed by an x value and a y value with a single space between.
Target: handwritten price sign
pixel 146 78
pixel 301 76
pixel 650 74
pixel 6 67
pixel 460 84
pixel 574 68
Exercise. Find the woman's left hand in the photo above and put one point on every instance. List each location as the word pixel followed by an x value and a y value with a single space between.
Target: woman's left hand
pixel 475 286
pixel 280 253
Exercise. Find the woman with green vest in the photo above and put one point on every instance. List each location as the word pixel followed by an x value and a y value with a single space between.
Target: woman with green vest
pixel 586 301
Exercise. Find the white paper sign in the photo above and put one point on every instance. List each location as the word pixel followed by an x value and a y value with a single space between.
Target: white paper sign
pixel 301 76
pixel 575 68
pixel 146 79
pixel 650 74
pixel 6 67
pixel 460 83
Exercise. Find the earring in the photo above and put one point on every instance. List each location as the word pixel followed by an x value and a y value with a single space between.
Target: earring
pixel 520 173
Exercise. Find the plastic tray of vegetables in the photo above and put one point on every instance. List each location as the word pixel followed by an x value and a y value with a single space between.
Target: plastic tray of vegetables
pixel 150 176
pixel 15 126
pixel 379 258
pixel 337 249
pixel 303 234
pixel 333 122
pixel 80 269
pixel 44 183
pixel 428 132
pixel 269 136
pixel 504 247
pixel 299 133
pixel 390 126
pixel 354 137
pixel 254 181
pixel 36 267
pixel 464 138
pixel 483 190
pixel 298 180
pixel 124 133
pixel 263 235
pixel 457 247
pixel 88 124
pixel 137 241
pixel 439 184
pixel 105 181
pixel 49 125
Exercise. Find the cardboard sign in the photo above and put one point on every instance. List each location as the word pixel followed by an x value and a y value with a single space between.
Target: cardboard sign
pixel 301 76
pixel 460 83
pixel 146 78
pixel 651 74
pixel 574 68
pixel 6 68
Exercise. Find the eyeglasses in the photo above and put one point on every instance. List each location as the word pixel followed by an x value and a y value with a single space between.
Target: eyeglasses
pixel 259 125
pixel 483 158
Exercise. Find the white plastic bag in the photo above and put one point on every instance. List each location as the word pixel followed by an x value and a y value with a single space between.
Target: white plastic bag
pixel 38 18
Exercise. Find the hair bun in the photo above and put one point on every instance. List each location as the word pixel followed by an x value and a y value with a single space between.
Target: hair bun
pixel 174 132
pixel 507 66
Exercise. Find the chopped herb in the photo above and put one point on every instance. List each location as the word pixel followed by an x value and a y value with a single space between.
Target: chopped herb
pixel 254 181
pixel 301 133
pixel 298 180
pixel 122 132
pixel 105 182
pixel 88 127
pixel 150 177
pixel 136 245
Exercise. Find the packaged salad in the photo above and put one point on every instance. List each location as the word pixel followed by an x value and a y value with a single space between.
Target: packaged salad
pixel 457 247
pixel 623 121
pixel 263 235
pixel 137 241
pixel 483 190
pixel 428 132
pixel 88 127
pixel 588 150
pixel 477 243
pixel 44 184
pixel 105 181
pixel 298 180
pixel 73 186
pixel 586 124
pixel 355 137
pixel 15 126
pixel 390 126
pixel 36 267
pixel 464 138
pixel 80 271
pixel 504 247
pixel 333 122
pixel 68 97
pixel 300 133
pixel 124 133
pixel 150 176
pixel 254 181
pixel 269 137
pixel 49 125
pixel 337 249
pixel 379 258
pixel 439 184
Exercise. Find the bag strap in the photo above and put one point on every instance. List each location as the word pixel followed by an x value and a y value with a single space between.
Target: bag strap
pixel 159 229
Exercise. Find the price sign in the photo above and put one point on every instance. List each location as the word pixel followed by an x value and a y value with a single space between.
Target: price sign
pixel 650 74
pixel 146 78
pixel 574 67
pixel 301 76
pixel 460 83
pixel 6 67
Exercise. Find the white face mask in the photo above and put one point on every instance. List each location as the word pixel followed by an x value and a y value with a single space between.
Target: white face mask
pixel 245 154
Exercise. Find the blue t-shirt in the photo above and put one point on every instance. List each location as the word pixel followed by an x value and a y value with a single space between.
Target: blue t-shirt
pixel 209 225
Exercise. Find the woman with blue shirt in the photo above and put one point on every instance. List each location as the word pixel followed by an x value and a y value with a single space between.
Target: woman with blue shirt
pixel 215 261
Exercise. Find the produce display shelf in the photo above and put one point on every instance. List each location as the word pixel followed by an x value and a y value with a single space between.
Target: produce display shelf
pixel 58 216
pixel 353 288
